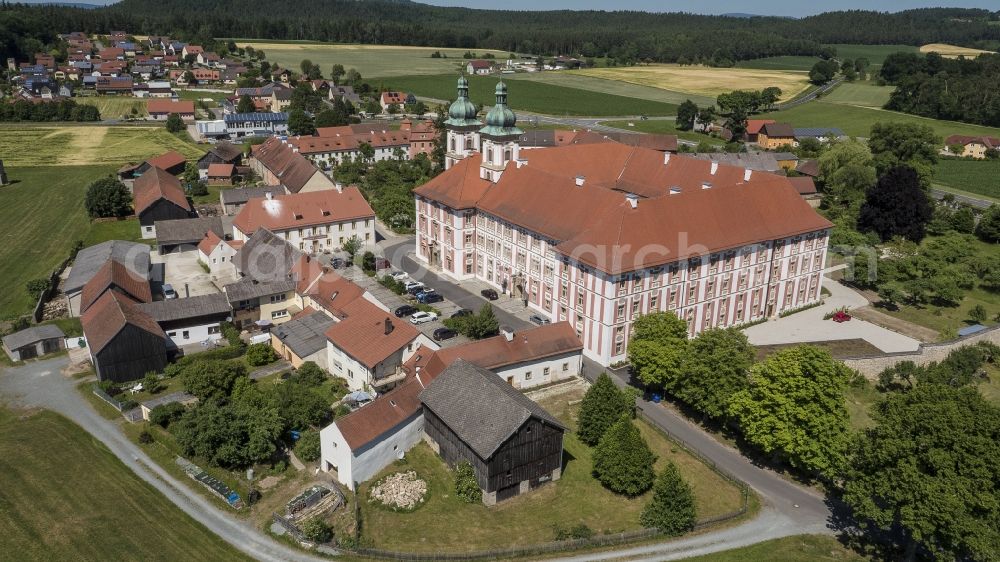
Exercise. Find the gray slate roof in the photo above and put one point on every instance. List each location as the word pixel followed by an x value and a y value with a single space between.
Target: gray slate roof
pixel 815 132
pixel 184 308
pixel 180 231
pixel 130 254
pixel 305 335
pixel 481 408
pixel 757 161
pixel 32 335
pixel 265 257
pixel 246 289
pixel 240 196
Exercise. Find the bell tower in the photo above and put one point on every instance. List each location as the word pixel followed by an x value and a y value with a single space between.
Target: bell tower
pixel 499 137
pixel 462 126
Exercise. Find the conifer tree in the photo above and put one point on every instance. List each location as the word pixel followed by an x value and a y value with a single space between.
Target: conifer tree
pixel 623 462
pixel 671 509
pixel 602 406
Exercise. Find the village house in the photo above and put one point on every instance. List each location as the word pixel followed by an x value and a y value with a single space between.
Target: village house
pixel 478 67
pixel 716 244
pixel 312 222
pixel 160 109
pixel 159 196
pixel 233 200
pixel 239 125
pixel 261 302
pixel 220 174
pixel 971 147
pixel 91 259
pixel 222 152
pixel 114 276
pixel 35 341
pixel 192 50
pixel 190 320
pixel 218 254
pixel 279 165
pixel 182 235
pixel 303 338
pixel 334 145
pixel 344 93
pixel 775 136
pixel 111 85
pixel 281 99
pixel 398 99
pixel 512 443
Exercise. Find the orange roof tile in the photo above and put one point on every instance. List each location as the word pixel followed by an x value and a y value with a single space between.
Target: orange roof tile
pixel 183 107
pixel 290 168
pixel 362 333
pixel 209 242
pixel 301 210
pixel 114 275
pixel 157 184
pixel 168 160
pixel 109 315
pixel 220 170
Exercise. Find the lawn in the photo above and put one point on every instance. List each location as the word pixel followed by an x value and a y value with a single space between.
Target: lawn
pixel 703 80
pixel 839 349
pixel 42 216
pixel 74 145
pixel 864 94
pixel 981 177
pixel 953 51
pixel 530 95
pixel 663 127
pixel 447 524
pixel 857 121
pixel 372 61
pixel 66 497
pixel 875 54
pixel 799 548
pixel 578 80
pixel 127 229
pixel 115 107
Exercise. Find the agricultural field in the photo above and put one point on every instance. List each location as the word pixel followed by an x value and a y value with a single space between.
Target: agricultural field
pixel 574 79
pixel 662 127
pixel 83 503
pixel 857 121
pixel 703 80
pixel 864 94
pixel 41 215
pixel 529 95
pixel 115 107
pixel 446 523
pixel 74 145
pixel 372 61
pixel 876 54
pixel 952 51
pixel 981 177
pixel 787 62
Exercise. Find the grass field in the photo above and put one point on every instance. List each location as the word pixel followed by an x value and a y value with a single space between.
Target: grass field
pixel 857 121
pixel 73 145
pixel 952 51
pixel 573 79
pixel 864 94
pixel 876 54
pixel 788 62
pixel 63 496
pixel 533 96
pixel 662 127
pixel 981 177
pixel 703 80
pixel 115 107
pixel 445 523
pixel 799 548
pixel 372 61
pixel 41 216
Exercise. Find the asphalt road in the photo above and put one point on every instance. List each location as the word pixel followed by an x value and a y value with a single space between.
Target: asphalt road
pixel 41 384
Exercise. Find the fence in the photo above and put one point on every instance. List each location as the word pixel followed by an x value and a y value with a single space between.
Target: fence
pixel 107 398
pixel 871 365
pixel 39 312
pixel 571 544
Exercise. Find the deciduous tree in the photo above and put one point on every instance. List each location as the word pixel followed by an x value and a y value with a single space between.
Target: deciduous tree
pixel 716 366
pixel 896 206
pixel 657 348
pixel 108 197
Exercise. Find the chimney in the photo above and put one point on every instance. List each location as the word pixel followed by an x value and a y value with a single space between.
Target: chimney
pixel 269 195
pixel 666 158
pixel 715 167
pixel 508 333
pixel 746 174
pixel 339 187
pixel 580 180
pixel 388 326
pixel 187 290
pixel 521 162
pixel 633 200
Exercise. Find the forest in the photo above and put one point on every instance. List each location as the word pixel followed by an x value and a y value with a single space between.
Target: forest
pixel 628 36
pixel 952 89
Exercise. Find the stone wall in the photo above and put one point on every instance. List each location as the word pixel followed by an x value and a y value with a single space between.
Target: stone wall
pixel 871 365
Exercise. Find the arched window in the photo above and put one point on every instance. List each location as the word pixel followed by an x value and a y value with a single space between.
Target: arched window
pixel 452 141
pixel 489 154
pixel 506 155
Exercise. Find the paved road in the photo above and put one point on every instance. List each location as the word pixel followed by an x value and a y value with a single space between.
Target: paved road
pixel 811 95
pixel 965 199
pixel 42 385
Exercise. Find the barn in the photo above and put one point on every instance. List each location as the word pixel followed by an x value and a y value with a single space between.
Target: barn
pixel 512 443
pixel 159 197
pixel 124 342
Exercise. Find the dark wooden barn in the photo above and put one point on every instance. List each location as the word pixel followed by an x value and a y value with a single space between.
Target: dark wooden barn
pixel 513 444
pixel 158 197
pixel 124 342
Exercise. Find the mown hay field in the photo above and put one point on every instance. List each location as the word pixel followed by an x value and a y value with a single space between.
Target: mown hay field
pixel 79 145
pixel 953 51
pixel 704 81
pixel 115 107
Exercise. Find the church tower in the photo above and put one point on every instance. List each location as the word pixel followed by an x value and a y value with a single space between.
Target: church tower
pixel 462 125
pixel 499 138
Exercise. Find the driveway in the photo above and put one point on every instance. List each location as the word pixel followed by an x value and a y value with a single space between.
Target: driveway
pixel 183 272
pixel 809 326
pixel 41 384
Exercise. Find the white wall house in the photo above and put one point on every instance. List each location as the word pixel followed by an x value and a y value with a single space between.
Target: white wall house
pixel 217 254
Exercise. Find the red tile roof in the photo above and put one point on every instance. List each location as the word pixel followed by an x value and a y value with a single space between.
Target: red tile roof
pixel 183 107
pixel 300 210
pixel 290 168
pixel 168 160
pixel 803 184
pixel 325 287
pixel 114 275
pixel 110 315
pixel 384 413
pixel 157 184
pixel 988 142
pixel 209 242
pixel 220 170
pixel 362 333
pixel 531 344
pixel 754 125
pixel 459 188
pixel 394 97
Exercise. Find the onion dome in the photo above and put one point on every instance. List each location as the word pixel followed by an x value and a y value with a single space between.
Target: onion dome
pixel 462 112
pixel 501 121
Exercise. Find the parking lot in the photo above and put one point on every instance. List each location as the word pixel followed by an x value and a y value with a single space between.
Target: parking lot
pixel 183 272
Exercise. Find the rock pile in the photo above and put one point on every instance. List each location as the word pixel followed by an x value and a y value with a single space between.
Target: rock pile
pixel 401 490
pixel 53 309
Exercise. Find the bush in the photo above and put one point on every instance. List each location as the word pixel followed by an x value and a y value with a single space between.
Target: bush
pixel 145 437
pixel 36 287
pixel 390 283
pixel 198 189
pixel 310 374
pixel 466 485
pixel 260 354
pixel 581 531
pixel 623 462
pixel 174 123
pixel 151 383
pixel 166 414
pixel 368 262
pixel 317 530
pixel 307 447
pixel 231 334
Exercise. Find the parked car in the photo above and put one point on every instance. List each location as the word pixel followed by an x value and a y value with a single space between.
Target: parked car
pixel 405 310
pixel 444 334
pixel 412 284
pixel 338 263
pixel 415 290
pixel 423 317
pixel 425 291
pixel 169 292
pixel 428 298
pixel 461 313
pixel 489 294
pixel 399 275
pixel 538 319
